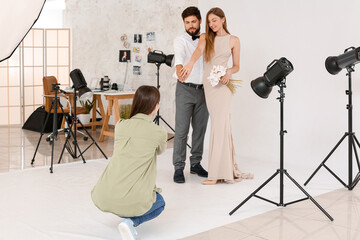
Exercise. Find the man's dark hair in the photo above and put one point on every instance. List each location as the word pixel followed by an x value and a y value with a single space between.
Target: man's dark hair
pixel 191 11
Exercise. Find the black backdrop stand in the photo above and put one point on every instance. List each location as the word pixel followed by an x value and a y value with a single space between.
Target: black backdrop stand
pixel 351 144
pixel 158 117
pixel 281 171
pixel 73 150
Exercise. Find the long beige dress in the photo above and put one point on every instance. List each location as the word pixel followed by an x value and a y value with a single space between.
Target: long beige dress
pixel 222 165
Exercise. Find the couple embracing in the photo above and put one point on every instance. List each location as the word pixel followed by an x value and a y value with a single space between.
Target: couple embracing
pixel 197 99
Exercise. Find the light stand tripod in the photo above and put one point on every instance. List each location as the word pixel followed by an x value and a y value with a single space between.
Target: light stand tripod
pixel 67 145
pixel 281 171
pixel 53 136
pixel 158 117
pixel 54 105
pixel 351 144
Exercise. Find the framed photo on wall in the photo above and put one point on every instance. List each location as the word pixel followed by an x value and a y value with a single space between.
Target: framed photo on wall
pixel 137 70
pixel 124 56
pixel 137 38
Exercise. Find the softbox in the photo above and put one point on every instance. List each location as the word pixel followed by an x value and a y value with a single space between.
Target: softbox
pixel 16 19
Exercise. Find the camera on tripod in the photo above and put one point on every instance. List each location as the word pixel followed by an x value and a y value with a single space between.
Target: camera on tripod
pixel 55 86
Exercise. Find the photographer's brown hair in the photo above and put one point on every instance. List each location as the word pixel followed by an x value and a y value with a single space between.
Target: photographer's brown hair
pixel 145 100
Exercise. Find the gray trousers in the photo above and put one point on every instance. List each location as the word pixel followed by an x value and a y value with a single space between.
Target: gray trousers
pixel 190 108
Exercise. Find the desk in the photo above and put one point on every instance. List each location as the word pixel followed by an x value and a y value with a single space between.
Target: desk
pixel 113 101
pixel 97 104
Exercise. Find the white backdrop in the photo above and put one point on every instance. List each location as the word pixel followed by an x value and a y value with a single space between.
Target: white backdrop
pixel 306 33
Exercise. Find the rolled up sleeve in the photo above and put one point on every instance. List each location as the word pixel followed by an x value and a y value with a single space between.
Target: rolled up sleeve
pixel 162 142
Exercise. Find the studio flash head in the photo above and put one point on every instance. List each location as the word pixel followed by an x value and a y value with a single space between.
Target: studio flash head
pixel 350 57
pixel 158 57
pixel 276 72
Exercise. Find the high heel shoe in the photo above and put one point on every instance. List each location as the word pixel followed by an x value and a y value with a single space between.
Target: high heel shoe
pixel 209 182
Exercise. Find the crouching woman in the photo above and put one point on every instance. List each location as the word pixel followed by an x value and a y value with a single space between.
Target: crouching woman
pixel 127 186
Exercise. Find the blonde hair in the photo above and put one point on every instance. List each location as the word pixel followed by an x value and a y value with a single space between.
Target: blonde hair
pixel 210 34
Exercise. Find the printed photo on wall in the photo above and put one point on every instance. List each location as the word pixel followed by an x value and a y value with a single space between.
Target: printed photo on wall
pixel 150 36
pixel 123 37
pixel 138 59
pixel 136 49
pixel 126 44
pixel 124 56
pixel 137 38
pixel 137 70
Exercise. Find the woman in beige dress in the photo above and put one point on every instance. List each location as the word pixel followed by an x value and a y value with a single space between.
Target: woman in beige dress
pixel 218 46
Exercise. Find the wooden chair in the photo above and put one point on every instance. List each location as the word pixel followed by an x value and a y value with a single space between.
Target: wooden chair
pixel 49 95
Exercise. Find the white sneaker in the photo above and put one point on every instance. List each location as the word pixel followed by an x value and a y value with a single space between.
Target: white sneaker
pixel 127 230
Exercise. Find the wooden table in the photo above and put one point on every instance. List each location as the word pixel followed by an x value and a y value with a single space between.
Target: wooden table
pixel 113 101
pixel 97 104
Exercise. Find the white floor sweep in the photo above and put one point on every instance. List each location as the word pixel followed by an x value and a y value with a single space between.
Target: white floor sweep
pixel 35 204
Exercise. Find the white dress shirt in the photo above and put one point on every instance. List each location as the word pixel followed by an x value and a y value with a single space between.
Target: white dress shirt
pixel 184 47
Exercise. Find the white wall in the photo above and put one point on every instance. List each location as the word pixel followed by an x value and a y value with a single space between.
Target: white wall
pixel 306 33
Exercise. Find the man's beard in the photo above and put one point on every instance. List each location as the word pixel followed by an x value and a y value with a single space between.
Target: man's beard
pixel 193 33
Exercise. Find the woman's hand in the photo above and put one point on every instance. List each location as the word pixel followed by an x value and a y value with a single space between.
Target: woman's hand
pixel 226 78
pixel 185 71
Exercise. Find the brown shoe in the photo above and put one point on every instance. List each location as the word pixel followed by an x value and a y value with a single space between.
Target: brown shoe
pixel 209 182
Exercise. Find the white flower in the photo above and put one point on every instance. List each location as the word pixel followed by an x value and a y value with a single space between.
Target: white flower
pixel 216 73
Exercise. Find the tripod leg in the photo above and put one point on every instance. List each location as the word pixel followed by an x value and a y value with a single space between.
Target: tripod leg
pixel 253 193
pixel 41 134
pixel 75 142
pixel 62 151
pixel 67 136
pixel 87 132
pixel 357 142
pixel 356 181
pixel 166 123
pixel 67 139
pixel 52 154
pixel 308 195
pixel 356 155
pixel 327 157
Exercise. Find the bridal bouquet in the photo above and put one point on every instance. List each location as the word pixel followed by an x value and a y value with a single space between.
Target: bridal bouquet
pixel 216 73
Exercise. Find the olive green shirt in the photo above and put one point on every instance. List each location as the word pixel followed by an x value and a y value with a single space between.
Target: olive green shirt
pixel 127 185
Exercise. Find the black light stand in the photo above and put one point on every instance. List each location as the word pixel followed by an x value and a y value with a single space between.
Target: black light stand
pixel 53 136
pixel 281 171
pixel 158 117
pixel 351 144
pixel 72 150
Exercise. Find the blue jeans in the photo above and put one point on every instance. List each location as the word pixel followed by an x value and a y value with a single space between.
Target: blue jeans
pixel 154 211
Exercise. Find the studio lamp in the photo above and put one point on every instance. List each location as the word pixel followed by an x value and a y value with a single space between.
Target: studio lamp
pixel 158 57
pixel 351 56
pixel 276 72
pixel 334 65
pixel 80 85
pixel 262 86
